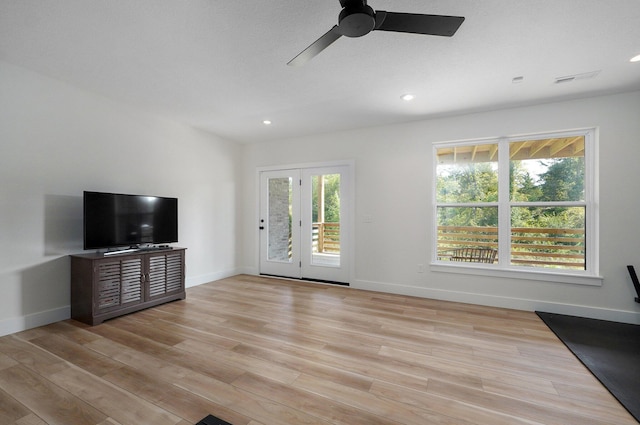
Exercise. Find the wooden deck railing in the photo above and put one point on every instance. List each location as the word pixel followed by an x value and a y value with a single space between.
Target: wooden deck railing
pixel 326 237
pixel 540 247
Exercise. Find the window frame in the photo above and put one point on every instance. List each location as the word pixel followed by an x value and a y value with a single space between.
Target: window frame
pixel 503 268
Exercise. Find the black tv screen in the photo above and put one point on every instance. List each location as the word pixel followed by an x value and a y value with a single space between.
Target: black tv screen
pixel 115 220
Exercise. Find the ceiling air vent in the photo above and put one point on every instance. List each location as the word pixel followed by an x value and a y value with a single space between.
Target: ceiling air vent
pixel 570 78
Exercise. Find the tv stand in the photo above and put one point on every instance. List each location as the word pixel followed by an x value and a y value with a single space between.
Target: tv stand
pixel 104 286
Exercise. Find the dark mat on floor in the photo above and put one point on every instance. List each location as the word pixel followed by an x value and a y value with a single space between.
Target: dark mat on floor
pixel 610 350
pixel 212 420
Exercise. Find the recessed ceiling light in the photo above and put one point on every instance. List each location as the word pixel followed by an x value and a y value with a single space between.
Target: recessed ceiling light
pixel 266 122
pixel 407 97
pixel 635 59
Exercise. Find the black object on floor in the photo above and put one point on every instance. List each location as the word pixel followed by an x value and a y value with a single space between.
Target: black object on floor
pixel 610 350
pixel 212 420
pixel 636 283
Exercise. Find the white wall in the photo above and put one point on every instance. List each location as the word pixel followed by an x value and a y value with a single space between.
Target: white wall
pixel 55 142
pixel 393 185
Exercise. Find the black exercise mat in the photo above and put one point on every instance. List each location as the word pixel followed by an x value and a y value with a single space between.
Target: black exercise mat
pixel 212 420
pixel 610 350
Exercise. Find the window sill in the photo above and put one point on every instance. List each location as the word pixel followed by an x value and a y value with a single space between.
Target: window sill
pixel 544 275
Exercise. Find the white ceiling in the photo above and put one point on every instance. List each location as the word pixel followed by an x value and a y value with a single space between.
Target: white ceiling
pixel 221 65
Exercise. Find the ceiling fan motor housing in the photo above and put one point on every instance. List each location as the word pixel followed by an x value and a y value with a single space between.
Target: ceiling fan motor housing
pixel 356 20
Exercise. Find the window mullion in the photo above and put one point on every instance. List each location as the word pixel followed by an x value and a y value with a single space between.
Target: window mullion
pixel 591 198
pixel 504 205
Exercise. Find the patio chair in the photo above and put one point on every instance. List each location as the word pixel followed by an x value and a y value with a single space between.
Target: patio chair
pixel 474 255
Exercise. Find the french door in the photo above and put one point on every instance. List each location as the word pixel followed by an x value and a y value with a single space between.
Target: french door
pixel 304 219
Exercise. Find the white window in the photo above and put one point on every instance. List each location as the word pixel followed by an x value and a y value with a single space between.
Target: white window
pixel 523 204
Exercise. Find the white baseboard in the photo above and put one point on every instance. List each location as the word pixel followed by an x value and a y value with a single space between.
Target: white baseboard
pixel 500 301
pixel 209 277
pixel 22 323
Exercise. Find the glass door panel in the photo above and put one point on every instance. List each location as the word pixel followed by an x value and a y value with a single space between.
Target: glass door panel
pixel 325 229
pixel 324 208
pixel 279 210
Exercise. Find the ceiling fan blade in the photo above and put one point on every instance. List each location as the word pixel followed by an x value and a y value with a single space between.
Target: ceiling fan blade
pixel 316 47
pixel 418 24
pixel 380 16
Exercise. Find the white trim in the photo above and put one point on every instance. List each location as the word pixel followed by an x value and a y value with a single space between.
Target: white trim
pixel 514 303
pixel 210 277
pixel 29 321
pixel 504 214
pixel 592 197
pixel 22 323
pixel 500 301
pixel 522 274
pixel 348 162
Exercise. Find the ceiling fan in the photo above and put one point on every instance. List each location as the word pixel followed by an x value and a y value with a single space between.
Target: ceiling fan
pixel 357 19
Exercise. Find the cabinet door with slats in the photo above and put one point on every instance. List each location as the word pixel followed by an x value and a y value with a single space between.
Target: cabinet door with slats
pixel 119 283
pixel 166 274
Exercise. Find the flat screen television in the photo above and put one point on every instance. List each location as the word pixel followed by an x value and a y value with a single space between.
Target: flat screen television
pixel 113 220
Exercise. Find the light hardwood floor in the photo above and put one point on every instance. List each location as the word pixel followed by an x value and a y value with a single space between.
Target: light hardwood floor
pixel 263 351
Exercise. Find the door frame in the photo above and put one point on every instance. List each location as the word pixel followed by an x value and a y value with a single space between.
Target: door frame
pixel 348 218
